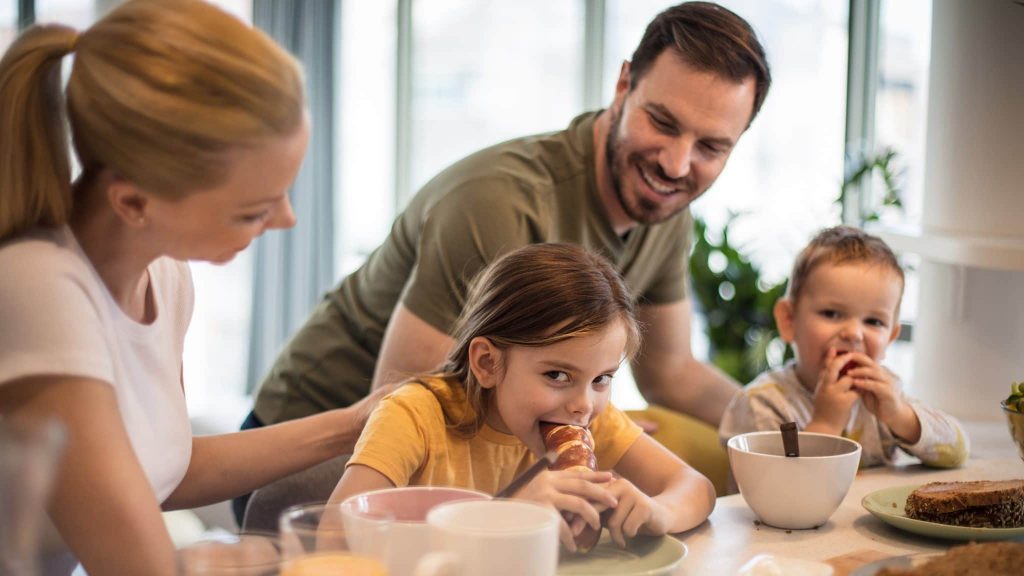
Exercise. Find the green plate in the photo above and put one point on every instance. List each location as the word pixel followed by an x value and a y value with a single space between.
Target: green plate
pixel 645 556
pixel 887 505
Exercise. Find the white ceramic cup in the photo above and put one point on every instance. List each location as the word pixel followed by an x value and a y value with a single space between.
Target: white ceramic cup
pixel 405 511
pixel 495 537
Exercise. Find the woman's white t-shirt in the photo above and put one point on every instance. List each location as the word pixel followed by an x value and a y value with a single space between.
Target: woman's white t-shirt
pixel 58 318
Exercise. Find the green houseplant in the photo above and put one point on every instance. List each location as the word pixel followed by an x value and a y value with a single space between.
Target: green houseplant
pixel 735 302
pixel 860 168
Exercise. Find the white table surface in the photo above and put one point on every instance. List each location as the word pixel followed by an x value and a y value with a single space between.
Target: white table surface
pixel 730 537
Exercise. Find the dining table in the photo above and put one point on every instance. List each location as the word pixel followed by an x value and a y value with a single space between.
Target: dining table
pixel 852 537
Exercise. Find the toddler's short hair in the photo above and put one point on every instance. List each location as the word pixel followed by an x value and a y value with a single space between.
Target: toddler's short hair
pixel 841 245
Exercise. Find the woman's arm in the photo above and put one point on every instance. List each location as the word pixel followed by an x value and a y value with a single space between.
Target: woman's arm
pixel 677 496
pixel 227 465
pixel 102 503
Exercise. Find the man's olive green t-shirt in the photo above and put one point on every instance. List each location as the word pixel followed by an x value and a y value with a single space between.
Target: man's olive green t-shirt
pixel 526 191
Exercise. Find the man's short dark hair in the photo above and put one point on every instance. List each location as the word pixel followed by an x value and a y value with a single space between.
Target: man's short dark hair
pixel 709 38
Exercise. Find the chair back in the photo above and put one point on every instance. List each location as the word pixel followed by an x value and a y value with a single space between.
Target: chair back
pixel 313 484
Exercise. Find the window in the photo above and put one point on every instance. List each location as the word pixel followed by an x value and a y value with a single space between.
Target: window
pixel 483 72
pixel 367 93
pixel 901 103
pixel 480 73
pixel 76 13
pixel 901 108
pixel 8 23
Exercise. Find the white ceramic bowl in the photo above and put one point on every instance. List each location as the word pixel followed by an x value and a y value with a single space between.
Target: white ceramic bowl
pixel 793 493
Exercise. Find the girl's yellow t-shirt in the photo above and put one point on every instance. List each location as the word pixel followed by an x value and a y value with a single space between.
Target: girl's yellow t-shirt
pixel 407 440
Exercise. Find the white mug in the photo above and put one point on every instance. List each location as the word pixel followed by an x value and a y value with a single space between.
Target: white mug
pixel 493 537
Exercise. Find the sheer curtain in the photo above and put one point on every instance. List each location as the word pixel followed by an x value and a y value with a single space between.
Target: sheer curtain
pixel 292 269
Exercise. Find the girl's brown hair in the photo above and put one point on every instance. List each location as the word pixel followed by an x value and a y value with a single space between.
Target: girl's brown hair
pixel 537 295
pixel 159 92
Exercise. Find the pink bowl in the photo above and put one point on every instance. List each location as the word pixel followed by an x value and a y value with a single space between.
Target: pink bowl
pixel 407 504
pixel 404 511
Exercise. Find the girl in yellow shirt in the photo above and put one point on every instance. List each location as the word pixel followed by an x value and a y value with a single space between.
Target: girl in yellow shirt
pixel 544 329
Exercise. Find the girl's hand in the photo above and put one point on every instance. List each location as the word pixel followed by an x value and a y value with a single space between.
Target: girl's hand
pixel 880 393
pixel 580 496
pixel 636 512
pixel 834 396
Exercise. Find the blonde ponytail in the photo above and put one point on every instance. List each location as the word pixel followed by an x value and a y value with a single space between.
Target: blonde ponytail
pixel 35 173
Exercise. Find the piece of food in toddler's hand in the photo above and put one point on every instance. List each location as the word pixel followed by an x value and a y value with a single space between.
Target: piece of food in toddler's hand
pixel 575 448
pixel 850 364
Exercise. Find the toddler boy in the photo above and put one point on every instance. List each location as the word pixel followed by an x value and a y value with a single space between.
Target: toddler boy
pixel 840 313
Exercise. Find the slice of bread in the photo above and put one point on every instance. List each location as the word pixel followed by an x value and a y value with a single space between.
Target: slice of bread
pixel 985 559
pixel 978 504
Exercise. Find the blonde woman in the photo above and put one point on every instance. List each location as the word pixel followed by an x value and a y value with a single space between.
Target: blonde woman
pixel 189 127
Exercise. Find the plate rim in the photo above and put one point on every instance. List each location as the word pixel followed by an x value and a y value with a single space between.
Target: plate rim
pixel 930 529
pixel 679 545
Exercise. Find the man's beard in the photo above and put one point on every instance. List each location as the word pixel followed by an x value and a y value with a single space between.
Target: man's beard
pixel 645 212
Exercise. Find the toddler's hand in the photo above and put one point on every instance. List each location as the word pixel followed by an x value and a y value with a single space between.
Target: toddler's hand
pixel 880 393
pixel 834 396
pixel 876 385
pixel 636 512
pixel 580 497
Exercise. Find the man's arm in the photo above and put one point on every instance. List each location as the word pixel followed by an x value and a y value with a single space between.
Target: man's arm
pixel 411 346
pixel 666 372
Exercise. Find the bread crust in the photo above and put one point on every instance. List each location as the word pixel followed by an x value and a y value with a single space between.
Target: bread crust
pixel 978 504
